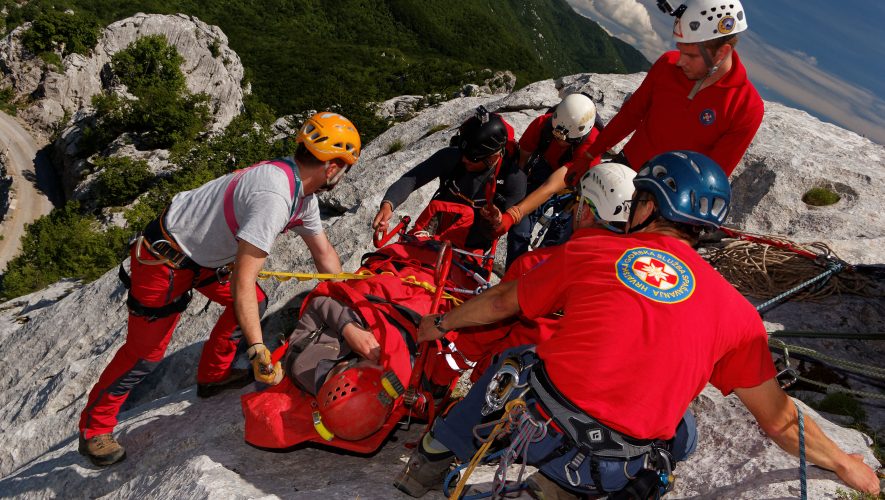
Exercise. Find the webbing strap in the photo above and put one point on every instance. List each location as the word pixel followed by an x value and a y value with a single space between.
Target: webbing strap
pixel 583 429
pixel 294 187
pixel 178 305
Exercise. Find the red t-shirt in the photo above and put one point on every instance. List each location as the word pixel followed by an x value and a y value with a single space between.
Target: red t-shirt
pixel 647 324
pixel 481 343
pixel 719 122
pixel 532 136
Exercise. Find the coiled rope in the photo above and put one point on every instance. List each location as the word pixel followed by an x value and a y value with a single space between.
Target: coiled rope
pixel 763 271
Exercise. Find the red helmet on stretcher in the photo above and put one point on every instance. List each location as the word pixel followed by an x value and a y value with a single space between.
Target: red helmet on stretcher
pixel 355 403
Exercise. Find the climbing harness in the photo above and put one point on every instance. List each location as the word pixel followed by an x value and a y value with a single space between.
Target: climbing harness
pixel 290 169
pixel 558 206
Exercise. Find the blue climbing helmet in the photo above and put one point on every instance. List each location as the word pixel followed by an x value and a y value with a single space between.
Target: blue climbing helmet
pixel 689 188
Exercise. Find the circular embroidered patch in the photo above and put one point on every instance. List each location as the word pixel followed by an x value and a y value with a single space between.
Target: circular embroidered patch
pixel 726 25
pixel 707 117
pixel 655 275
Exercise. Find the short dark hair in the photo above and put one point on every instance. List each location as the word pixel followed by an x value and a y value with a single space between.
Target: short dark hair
pixel 303 156
pixel 717 43
pixel 688 232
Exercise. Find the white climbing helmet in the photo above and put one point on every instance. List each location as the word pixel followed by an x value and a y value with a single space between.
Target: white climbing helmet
pixel 573 117
pixel 609 188
pixel 702 20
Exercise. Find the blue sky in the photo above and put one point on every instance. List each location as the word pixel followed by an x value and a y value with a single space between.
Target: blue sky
pixel 822 56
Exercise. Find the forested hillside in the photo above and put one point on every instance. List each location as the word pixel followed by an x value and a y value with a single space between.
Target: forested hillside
pixel 313 54
pixel 298 55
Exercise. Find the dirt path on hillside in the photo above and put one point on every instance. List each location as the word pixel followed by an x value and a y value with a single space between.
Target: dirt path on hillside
pixel 31 174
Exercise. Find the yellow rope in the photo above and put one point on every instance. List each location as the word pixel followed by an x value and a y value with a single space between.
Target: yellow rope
pixel 763 271
pixel 483 450
pixel 281 276
pixel 409 280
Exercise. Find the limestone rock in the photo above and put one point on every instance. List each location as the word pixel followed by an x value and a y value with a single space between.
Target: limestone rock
pixel 210 66
pixel 181 446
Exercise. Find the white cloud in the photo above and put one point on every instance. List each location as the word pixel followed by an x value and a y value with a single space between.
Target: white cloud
pixel 626 19
pixel 791 76
pixel 806 57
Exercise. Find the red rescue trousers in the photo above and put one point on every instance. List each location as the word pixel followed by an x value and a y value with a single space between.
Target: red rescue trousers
pixel 147 339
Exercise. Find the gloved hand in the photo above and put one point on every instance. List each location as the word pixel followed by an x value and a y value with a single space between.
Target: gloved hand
pixel 265 371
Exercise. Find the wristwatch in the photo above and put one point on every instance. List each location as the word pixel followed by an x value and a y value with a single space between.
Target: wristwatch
pixel 438 324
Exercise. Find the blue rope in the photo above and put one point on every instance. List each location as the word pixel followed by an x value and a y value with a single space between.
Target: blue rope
pixel 803 478
pixel 833 267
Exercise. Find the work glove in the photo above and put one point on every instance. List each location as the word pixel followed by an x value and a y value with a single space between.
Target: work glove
pixel 265 371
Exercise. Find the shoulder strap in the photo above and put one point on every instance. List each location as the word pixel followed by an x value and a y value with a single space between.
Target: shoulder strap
pixel 546 137
pixel 284 164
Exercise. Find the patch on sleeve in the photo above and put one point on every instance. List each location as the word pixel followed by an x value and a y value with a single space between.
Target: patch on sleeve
pixel 655 275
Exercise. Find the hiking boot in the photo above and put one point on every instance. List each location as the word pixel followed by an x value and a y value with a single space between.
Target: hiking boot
pixel 102 450
pixel 540 487
pixel 238 378
pixel 422 474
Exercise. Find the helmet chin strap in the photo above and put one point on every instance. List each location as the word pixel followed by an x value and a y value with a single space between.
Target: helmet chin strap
pixel 711 68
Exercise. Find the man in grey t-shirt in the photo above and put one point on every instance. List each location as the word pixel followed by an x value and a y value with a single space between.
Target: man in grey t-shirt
pixel 230 220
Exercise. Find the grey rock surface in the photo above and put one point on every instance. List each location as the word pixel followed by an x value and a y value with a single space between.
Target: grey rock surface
pixel 69 89
pixel 60 98
pixel 179 446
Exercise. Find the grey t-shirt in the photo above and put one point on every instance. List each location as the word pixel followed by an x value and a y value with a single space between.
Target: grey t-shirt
pixel 262 204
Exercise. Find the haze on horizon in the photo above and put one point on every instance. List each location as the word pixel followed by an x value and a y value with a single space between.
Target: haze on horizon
pixel 822 58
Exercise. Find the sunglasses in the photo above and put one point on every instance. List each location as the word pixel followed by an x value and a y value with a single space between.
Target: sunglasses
pixel 488 161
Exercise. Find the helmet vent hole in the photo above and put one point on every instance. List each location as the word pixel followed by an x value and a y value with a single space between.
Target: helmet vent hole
pixel 321 139
pixel 704 206
pixel 740 15
pixel 695 167
pixel 703 12
pixel 670 183
pixel 718 207
pixel 658 171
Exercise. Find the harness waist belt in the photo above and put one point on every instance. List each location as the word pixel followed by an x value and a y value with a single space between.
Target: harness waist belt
pixel 160 243
pixel 583 429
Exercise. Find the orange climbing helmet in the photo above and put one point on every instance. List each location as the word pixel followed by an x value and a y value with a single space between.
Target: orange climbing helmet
pixel 328 136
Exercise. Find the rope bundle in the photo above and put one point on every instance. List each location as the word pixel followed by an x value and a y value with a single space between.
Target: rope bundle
pixel 762 271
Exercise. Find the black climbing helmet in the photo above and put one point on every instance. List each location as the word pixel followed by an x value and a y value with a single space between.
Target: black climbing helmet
pixel 482 135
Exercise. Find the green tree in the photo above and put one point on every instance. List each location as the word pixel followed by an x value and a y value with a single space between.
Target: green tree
pixel 149 62
pixel 63 244
pixel 163 117
pixel 54 30
pixel 120 180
